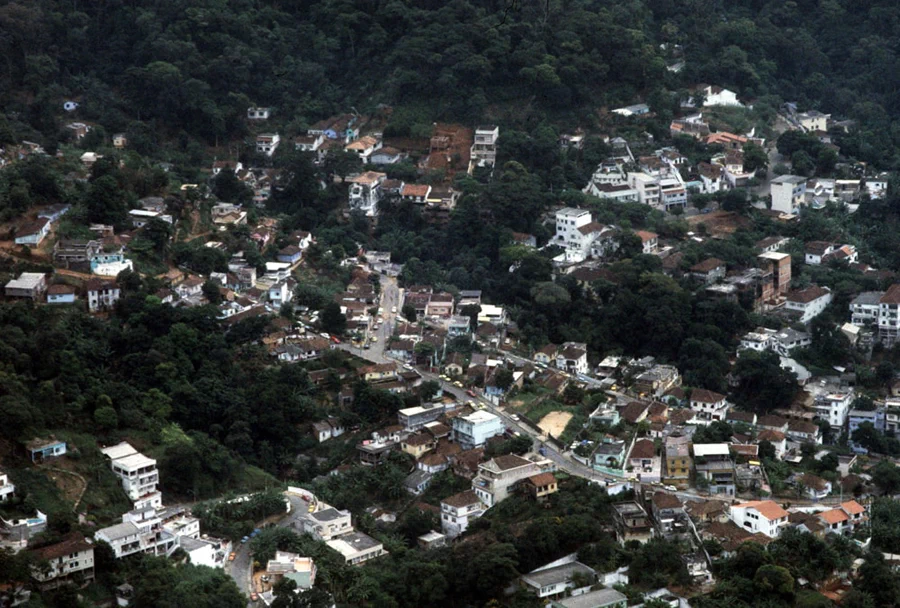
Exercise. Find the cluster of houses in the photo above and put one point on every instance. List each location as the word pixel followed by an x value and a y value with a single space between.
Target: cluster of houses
pixel 335 528
pixel 149 527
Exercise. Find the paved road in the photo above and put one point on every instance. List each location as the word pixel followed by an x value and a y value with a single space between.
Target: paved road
pixel 242 566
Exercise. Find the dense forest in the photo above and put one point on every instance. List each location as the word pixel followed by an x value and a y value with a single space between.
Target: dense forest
pixel 175 71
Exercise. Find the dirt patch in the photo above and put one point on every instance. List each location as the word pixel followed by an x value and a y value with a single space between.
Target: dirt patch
pixel 555 423
pixel 719 223
pixel 68 483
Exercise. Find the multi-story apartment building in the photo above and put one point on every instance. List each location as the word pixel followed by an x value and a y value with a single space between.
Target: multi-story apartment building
pixel 632 523
pixel 141 531
pixel 458 511
pixel 496 478
pixel 484 148
pixel 788 193
pixel 138 473
pixel 70 560
pixel 834 407
pixel 473 430
pixel 366 192
pixel 713 464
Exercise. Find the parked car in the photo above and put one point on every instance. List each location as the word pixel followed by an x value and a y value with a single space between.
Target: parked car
pixel 231 556
pixel 245 539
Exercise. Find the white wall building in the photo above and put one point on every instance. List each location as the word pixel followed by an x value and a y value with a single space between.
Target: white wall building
pixel 366 192
pixel 267 143
pixel 484 148
pixel 497 477
pixel 834 407
pixel 138 473
pixel 458 511
pixel 763 516
pixel 473 430
pixel 809 302
pixel 7 489
pixel 788 193
pixel 70 558
pixel 327 523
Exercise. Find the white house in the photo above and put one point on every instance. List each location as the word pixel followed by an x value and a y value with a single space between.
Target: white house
pixel 7 489
pixel 834 407
pixel 864 309
pixel 327 523
pixel 556 579
pixel 497 478
pixel 267 143
pixel 364 147
pixel 71 557
pixel 649 241
pixel 709 405
pixel 788 193
pixel 813 121
pixel 889 315
pixel 473 430
pixel 572 357
pixel 254 113
pixel 718 96
pixel 764 516
pixel 356 547
pixel 102 295
pixel 573 230
pixel 366 192
pixel 484 148
pixel 458 511
pixel 809 302
pixel 309 143
pixel 33 233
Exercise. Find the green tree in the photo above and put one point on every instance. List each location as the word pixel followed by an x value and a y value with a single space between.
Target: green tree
pixel 106 417
pixel 333 320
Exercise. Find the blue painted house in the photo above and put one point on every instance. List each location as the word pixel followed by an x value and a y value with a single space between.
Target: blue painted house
pixel 41 449
pixel 290 254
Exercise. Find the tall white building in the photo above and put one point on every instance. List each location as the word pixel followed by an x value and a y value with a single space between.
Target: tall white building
pixel 484 149
pixel 138 474
pixel 473 430
pixel 366 192
pixel 889 315
pixel 7 489
pixel 788 193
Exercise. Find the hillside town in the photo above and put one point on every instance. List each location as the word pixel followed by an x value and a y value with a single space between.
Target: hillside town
pixel 693 342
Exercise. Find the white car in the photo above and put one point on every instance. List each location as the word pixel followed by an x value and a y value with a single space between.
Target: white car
pixel 515 417
pixel 393 310
pixel 671 488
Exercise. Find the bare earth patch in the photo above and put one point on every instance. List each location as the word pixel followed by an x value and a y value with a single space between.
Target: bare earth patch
pixel 555 423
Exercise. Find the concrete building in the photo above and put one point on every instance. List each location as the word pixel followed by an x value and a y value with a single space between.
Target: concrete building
pixel 497 478
pixel 30 285
pixel 484 148
pixel 788 193
pixel 138 473
pixel 473 430
pixel 70 560
pixel 356 547
pixel 7 488
pixel 327 523
pixel 808 303
pixel 764 516
pixel 600 598
pixel 458 511
pixel 632 523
